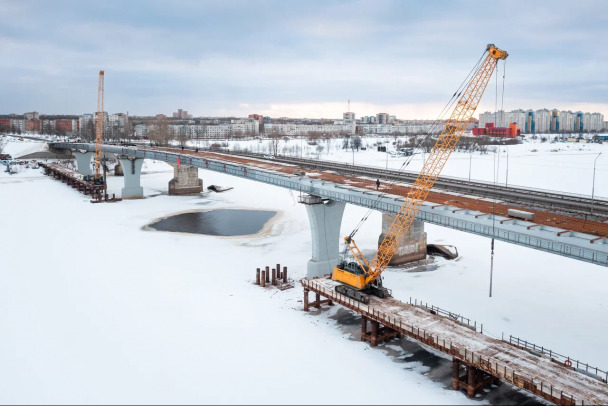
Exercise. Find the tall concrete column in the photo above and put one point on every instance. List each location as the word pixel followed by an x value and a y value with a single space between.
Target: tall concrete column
pixel 413 245
pixel 185 180
pixel 83 162
pixel 325 221
pixel 132 174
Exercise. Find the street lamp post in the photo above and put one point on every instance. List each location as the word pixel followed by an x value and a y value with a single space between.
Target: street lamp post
pixel 386 159
pixel 470 161
pixel 593 186
pixel 507 177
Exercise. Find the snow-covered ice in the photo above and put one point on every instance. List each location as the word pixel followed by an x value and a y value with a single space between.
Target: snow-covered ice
pixel 95 309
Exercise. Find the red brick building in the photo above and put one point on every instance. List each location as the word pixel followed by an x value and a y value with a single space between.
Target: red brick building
pixel 32 126
pixel 5 124
pixel 66 126
pixel 503 132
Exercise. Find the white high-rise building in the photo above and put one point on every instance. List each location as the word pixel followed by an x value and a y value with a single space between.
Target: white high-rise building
pixel 567 119
pixel 519 117
pixel 596 121
pixel 542 119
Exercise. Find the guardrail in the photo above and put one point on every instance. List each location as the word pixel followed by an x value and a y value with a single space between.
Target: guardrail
pixel 571 202
pixel 487 364
pixel 579 366
pixel 576 246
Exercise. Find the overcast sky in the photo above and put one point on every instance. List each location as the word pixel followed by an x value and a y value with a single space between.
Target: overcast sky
pixel 297 58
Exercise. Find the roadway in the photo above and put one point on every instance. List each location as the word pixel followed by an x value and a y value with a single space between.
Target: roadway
pixel 452 194
pixel 531 198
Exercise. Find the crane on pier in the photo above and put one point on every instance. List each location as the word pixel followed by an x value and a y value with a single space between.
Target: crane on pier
pixel 360 277
pixel 98 178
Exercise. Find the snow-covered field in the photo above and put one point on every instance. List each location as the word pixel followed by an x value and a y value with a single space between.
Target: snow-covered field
pixel 93 309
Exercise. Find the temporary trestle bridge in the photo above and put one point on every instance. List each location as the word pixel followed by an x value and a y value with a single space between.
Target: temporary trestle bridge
pixel 478 359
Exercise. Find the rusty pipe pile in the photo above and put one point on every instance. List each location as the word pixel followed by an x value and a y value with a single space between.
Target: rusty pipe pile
pixel 274 277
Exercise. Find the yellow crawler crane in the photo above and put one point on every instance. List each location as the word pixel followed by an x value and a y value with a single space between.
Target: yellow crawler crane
pixel 363 276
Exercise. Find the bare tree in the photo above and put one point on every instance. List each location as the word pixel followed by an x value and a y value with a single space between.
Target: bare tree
pixel 345 143
pixel 89 132
pixel 314 136
pixel 3 142
pixel 355 142
pixel 182 136
pixel 159 132
pixel 275 138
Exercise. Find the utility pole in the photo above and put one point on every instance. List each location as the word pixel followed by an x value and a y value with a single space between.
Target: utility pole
pixel 593 186
pixel 507 177
pixel 470 161
pixel 386 152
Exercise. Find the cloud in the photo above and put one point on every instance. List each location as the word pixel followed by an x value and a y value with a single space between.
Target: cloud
pixel 301 58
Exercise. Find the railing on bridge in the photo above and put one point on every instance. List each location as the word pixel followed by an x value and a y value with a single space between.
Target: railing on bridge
pixel 573 245
pixel 579 366
pixel 487 364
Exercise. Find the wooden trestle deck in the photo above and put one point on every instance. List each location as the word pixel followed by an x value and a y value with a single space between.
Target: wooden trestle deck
pixel 485 358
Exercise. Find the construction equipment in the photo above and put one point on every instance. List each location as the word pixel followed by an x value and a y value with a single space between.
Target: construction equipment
pixel 98 179
pixel 361 277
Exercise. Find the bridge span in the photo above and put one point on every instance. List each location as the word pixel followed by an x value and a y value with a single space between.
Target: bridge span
pixel 576 238
pixel 485 360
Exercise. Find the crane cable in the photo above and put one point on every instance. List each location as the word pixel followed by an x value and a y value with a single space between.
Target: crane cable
pixel 504 73
pixel 422 140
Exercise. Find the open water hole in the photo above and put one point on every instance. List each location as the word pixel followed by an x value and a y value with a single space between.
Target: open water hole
pixel 219 222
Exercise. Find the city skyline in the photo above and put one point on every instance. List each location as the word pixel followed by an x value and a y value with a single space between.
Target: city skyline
pixel 296 60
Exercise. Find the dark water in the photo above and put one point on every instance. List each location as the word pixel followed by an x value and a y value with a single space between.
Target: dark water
pixel 221 222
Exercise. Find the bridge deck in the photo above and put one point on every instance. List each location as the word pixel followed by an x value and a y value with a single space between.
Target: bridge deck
pixel 536 374
pixel 467 202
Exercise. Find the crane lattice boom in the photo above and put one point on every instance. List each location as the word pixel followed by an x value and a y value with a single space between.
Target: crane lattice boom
pixel 446 143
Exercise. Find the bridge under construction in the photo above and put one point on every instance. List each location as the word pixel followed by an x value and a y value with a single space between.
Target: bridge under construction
pixel 482 359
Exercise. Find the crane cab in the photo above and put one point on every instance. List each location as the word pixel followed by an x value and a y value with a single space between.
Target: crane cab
pixel 349 273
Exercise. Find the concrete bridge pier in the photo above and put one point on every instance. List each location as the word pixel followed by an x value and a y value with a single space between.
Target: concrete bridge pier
pixel 185 180
pixel 132 174
pixel 413 245
pixel 83 162
pixel 325 221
